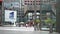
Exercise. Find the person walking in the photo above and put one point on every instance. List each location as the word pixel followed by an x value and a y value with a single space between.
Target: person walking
pixel 36 24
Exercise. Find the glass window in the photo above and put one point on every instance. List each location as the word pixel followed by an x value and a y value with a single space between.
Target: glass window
pixel 37 1
pixel 25 1
pixel 31 1
pixel 28 1
pixel 31 4
pixel 46 7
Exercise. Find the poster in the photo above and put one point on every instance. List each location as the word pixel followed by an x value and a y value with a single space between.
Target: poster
pixel 10 15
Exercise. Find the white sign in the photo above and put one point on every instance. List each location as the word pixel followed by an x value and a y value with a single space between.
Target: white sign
pixel 10 15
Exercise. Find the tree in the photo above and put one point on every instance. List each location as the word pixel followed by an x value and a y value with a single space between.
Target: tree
pixel 50 22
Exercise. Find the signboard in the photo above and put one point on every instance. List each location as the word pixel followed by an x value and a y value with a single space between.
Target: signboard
pixel 10 15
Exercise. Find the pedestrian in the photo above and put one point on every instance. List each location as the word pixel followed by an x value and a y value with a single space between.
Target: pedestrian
pixel 36 24
pixel 26 25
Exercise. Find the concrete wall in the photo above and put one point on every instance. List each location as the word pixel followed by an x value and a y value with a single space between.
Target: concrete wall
pixel 58 16
pixel 31 7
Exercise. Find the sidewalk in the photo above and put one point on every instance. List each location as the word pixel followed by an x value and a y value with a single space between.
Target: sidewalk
pixel 18 28
pixel 31 29
pixel 24 29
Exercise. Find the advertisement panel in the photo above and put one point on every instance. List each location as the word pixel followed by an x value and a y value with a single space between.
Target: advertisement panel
pixel 10 15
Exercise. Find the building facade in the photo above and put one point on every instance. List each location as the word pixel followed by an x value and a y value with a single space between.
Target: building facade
pixel 44 9
pixel 44 5
pixel 16 5
pixel 29 5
